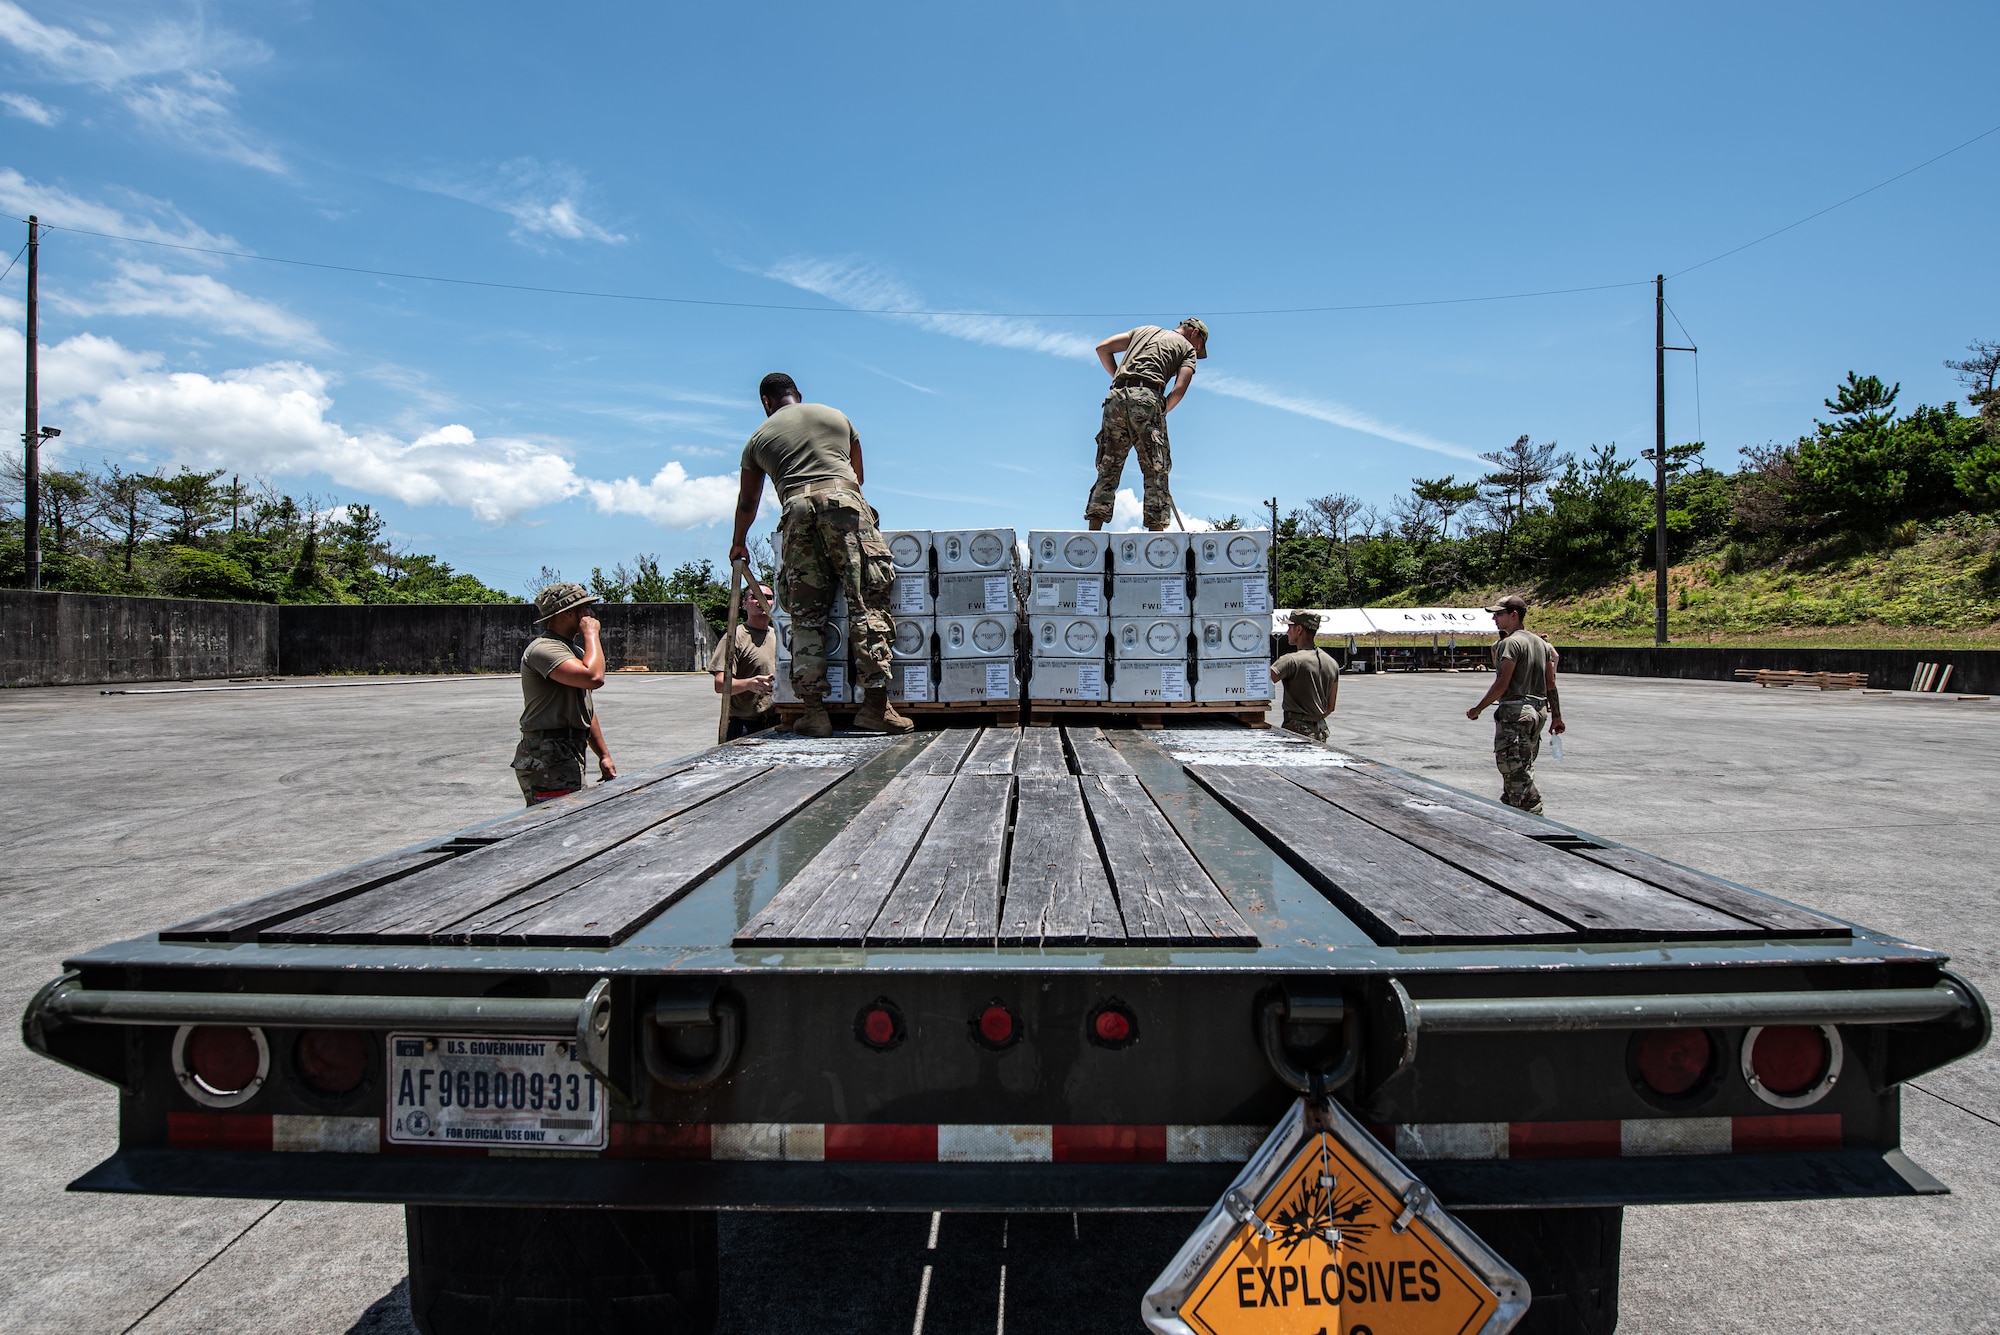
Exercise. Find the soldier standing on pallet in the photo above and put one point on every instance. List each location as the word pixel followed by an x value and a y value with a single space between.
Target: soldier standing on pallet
pixel 559 670
pixel 1135 416
pixel 813 457
pixel 1311 676
pixel 1524 688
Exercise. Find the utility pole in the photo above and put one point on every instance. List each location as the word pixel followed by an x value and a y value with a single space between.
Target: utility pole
pixel 1273 503
pixel 1659 454
pixel 235 498
pixel 31 437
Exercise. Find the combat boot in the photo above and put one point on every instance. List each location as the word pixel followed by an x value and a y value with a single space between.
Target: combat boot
pixel 815 721
pixel 878 715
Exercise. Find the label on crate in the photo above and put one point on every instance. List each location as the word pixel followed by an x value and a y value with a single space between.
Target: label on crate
pixel 1048 592
pixel 912 595
pixel 916 681
pixel 1173 681
pixel 1089 598
pixel 996 593
pixel 1173 597
pixel 999 681
pixel 1253 596
pixel 1090 680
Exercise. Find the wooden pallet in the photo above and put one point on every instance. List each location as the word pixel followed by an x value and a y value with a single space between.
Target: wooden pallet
pixel 1826 681
pixel 1109 714
pixel 926 714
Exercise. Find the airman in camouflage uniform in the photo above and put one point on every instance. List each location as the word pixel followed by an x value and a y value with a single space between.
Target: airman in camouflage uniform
pixel 1135 414
pixel 1524 693
pixel 829 542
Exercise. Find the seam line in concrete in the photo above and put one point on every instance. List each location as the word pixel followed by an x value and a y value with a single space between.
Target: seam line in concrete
pixel 198 1269
pixel 1960 1106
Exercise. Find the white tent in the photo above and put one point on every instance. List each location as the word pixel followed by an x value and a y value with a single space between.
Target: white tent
pixel 1432 621
pixel 1332 621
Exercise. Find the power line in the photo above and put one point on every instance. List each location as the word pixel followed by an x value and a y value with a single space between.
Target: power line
pixel 16 260
pixel 1699 431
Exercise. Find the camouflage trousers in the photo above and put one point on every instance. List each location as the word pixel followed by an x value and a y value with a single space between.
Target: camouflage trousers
pixel 549 763
pixel 1135 419
pixel 1307 727
pixel 831 543
pixel 1517 740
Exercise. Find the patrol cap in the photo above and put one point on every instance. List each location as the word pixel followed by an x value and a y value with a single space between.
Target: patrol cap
pixel 1201 348
pixel 561 597
pixel 1310 620
pixel 1513 602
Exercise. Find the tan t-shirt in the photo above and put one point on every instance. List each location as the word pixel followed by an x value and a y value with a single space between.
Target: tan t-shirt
pixel 800 444
pixel 756 655
pixel 1531 654
pixel 1312 680
pixel 1155 355
pixel 545 702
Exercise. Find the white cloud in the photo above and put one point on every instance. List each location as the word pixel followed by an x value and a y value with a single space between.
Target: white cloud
pixel 672 499
pixel 1129 516
pixel 147 219
pixel 30 109
pixel 167 74
pixel 542 199
pixel 147 289
pixel 863 286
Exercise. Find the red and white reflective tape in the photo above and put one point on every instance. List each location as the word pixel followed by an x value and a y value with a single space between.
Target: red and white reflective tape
pixel 1634 1137
pixel 868 1142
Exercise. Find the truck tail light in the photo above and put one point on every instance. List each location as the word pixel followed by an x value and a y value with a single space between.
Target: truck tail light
pixel 220 1066
pixel 879 1025
pixel 332 1062
pixel 1674 1061
pixel 1789 1059
pixel 996 1026
pixel 1113 1025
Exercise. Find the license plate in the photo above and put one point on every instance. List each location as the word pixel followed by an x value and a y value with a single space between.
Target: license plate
pixel 492 1090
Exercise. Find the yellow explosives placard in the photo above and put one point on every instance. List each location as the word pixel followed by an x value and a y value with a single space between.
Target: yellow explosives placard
pixel 1325 1233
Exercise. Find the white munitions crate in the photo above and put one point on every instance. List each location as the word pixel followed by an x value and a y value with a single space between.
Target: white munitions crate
pixel 1142 682
pixel 1076 595
pixel 1226 680
pixel 910 549
pixel 976 636
pixel 1067 679
pixel 1149 553
pixel 978 679
pixel 1232 637
pixel 910 681
pixel 1149 595
pixel 913 639
pixel 963 592
pixel 1068 636
pixel 836 684
pixel 1232 551
pixel 1149 638
pixel 1218 595
pixel 1068 551
pixel 836 638
pixel 989 549
pixel 910 595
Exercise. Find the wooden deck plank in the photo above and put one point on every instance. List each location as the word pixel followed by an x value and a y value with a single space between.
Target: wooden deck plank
pixel 944 755
pixel 993 753
pixel 1040 752
pixel 416 907
pixel 1093 754
pixel 1398 893
pixel 1775 916
pixel 1163 893
pixel 1520 822
pixel 1057 892
pixel 835 898
pixel 1597 900
pixel 242 922
pixel 535 817
pixel 610 897
pixel 951 889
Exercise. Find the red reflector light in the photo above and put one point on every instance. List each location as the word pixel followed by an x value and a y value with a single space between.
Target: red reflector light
pixel 879 1025
pixel 996 1024
pixel 1113 1025
pixel 223 1059
pixel 1789 1059
pixel 332 1061
pixel 1674 1061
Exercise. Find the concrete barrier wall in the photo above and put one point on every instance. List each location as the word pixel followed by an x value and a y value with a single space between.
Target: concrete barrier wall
pixel 467 637
pixel 1974 671
pixel 66 639
pixel 75 639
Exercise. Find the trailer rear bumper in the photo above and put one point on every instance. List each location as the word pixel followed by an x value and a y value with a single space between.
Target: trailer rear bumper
pixel 630 1184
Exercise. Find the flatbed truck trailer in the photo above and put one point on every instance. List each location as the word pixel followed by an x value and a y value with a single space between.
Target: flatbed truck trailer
pixel 1040 969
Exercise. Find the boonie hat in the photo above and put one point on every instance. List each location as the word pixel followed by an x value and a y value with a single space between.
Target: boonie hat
pixel 1310 620
pixel 561 597
pixel 1513 602
pixel 1201 348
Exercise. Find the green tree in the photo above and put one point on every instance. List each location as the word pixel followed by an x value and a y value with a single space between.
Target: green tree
pixel 192 501
pixel 127 500
pixel 1597 514
pixel 1446 496
pixel 1520 471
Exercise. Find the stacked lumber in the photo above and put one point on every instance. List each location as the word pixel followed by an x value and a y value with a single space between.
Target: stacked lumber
pixel 1826 681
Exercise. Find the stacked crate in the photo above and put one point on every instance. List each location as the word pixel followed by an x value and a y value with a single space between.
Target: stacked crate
pixel 913 609
pixel 1232 615
pixel 1069 616
pixel 978 606
pixel 837 675
pixel 1151 619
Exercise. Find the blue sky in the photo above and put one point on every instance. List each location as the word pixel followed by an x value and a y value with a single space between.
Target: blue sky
pixel 1069 167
